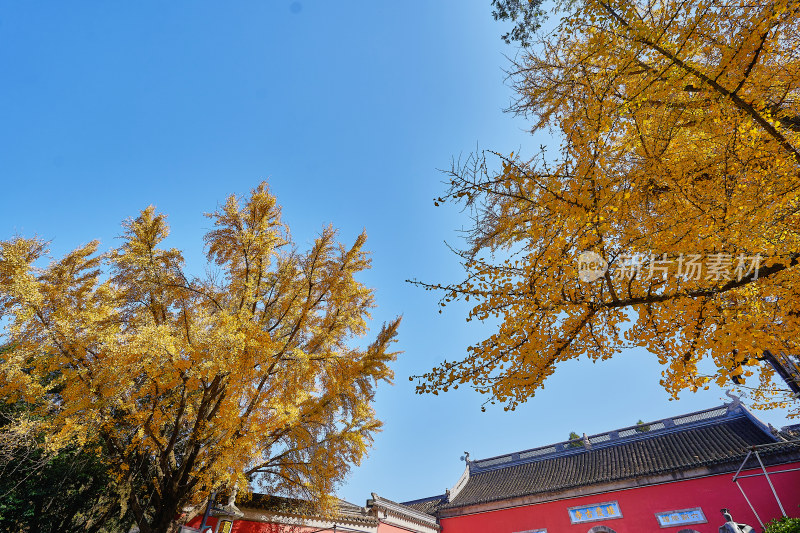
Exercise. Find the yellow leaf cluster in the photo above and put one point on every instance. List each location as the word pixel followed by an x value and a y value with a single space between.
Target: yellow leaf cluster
pixel 193 385
pixel 680 130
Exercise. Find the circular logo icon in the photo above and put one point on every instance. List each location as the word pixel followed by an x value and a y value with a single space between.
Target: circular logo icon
pixel 591 266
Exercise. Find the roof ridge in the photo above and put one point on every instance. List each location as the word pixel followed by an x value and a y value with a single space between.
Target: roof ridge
pixel 401 508
pixel 426 499
pixel 683 422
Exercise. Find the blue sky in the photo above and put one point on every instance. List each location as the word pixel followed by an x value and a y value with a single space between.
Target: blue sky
pixel 348 109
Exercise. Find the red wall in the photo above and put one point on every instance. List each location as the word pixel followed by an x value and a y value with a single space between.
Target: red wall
pixel 638 506
pixel 388 528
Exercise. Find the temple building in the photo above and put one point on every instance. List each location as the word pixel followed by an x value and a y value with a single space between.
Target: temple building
pixel 672 475
pixel 269 514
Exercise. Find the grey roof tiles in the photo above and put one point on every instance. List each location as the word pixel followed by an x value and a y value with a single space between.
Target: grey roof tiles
pixel 718 438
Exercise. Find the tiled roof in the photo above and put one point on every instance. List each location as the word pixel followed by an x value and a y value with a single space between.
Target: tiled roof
pixel 791 432
pixel 716 438
pixel 427 505
pixel 296 507
pixel 403 512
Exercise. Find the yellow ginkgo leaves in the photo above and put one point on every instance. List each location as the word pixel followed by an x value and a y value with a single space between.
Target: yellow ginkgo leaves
pixel 679 147
pixel 194 385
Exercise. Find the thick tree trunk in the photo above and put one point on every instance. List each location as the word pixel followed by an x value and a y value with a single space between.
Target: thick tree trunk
pixel 37 513
pixel 165 508
pixel 166 517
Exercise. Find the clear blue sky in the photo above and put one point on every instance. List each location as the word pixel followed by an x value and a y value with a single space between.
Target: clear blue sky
pixel 347 108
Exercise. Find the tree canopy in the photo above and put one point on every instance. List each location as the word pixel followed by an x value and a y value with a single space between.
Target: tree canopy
pixel 62 492
pixel 252 374
pixel 663 215
pixel 527 16
pixel 783 525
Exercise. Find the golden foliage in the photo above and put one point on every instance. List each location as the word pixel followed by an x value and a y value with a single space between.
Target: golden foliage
pixel 680 138
pixel 197 385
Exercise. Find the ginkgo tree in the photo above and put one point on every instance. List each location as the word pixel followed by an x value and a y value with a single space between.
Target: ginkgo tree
pixel 252 376
pixel 664 212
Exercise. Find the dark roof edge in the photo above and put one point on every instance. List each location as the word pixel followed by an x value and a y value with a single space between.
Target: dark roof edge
pixel 696 419
pixel 761 425
pixel 423 500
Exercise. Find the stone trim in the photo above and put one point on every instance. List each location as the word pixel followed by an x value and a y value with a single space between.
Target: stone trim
pixel 257 515
pixel 460 484
pixel 400 515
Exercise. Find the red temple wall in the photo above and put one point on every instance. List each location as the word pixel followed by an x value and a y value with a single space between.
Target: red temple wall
pixel 388 528
pixel 639 505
